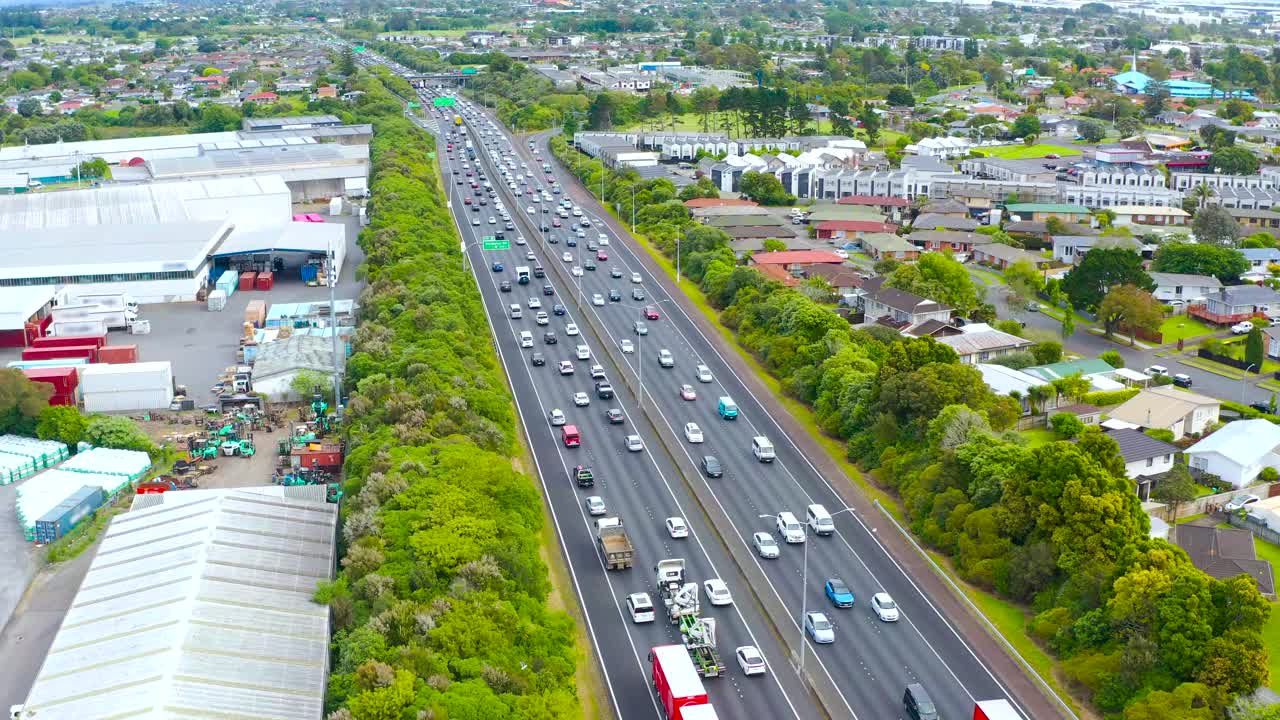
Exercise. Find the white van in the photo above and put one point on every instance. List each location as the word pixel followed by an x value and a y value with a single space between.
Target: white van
pixel 790 528
pixel 819 520
pixel 526 339
pixel 516 312
pixel 762 449
pixel 584 352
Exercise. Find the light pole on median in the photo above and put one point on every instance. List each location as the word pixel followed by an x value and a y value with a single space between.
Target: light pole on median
pixel 640 355
pixel 804 579
pixel 1244 381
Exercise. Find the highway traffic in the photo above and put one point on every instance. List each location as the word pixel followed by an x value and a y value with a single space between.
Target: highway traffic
pixel 874 632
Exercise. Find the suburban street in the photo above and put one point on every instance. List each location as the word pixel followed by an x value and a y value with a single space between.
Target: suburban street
pixel 871 662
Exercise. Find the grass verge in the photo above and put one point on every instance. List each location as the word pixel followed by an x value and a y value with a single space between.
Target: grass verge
pixel 1022 152
pixel 1008 618
pixel 1216 368
pixel 1271 632
pixel 1189 518
pixel 1183 327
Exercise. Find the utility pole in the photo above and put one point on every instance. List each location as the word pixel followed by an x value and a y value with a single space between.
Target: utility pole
pixel 331 274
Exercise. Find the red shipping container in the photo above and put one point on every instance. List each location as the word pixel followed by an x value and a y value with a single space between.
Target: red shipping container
pixel 247 279
pixel 64 400
pixel 64 380
pixel 266 280
pixel 70 341
pixel 88 352
pixel 116 354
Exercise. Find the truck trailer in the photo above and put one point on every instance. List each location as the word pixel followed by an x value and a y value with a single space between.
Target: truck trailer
pixel 678 685
pixel 114 318
pixel 995 710
pixel 112 300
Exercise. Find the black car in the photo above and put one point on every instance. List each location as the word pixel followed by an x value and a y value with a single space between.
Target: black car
pixel 1181 380
pixel 548 290
pixel 537 359
pixel 549 337
pixel 505 286
pixel 711 466
pixel 615 273
pixel 1261 407
pixel 546 209
pixel 604 390
pixel 637 294
pixel 615 296
pixel 615 416
pixel 558 309
pixel 571 242
pixel 588 265
pixel 547 228
pixel 538 271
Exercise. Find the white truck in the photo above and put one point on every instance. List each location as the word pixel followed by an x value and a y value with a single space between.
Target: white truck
pixel 114 318
pixel 94 327
pixel 115 300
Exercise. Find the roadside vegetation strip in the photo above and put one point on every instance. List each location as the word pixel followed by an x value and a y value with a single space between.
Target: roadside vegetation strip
pixel 936 434
pixel 441 604
pixel 1216 368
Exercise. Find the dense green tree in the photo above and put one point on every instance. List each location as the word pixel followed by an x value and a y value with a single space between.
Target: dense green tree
pixel 939 277
pixel 765 188
pixel 1025 126
pixel 1221 262
pixel 1188 701
pixel 1024 281
pixel 1100 270
pixel 1255 349
pixel 1175 489
pixel 116 431
pixel 21 402
pixel 1091 131
pixel 1215 226
pixel 29 107
pixel 63 423
pixel 1131 307
pixel 900 96
pixel 1234 161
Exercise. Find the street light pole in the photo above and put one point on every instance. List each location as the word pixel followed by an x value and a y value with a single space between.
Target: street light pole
pixel 1244 381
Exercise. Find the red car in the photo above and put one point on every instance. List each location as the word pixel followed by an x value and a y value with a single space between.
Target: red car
pixel 650 312
pixel 555 223
pixel 601 255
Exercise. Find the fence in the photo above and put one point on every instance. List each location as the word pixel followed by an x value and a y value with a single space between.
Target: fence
pixel 1211 503
pixel 1227 360
pixel 1257 527
pixel 1152 336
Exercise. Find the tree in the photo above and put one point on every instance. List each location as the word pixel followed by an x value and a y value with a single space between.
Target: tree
pixel 1175 489
pixel 1128 126
pixel 347 61
pixel 1202 193
pixel 63 423
pixel 1024 281
pixel 1025 126
pixel 1131 306
pixel 21 402
pixel 1217 261
pixel 1112 358
pixel 1066 426
pixel 1214 225
pixel 207 45
pixel 870 122
pixel 1255 349
pixel 95 168
pixel 1234 161
pixel 1153 103
pixel 29 107
pixel 1091 131
pixel 939 277
pixel 1047 352
pixel 217 118
pixel 765 188
pixel 116 431
pixel 1188 701
pixel 1068 321
pixel 899 96
pixel 1100 270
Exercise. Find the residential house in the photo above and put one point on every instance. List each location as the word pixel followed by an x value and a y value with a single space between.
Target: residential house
pixel 262 97
pixel 1224 553
pixel 294 83
pixel 1252 221
pixel 1166 407
pixel 1184 288
pixel 933 221
pixel 840 230
pixel 1259 260
pixel 1238 451
pixel 1100 375
pixel 1017 384
pixel 1088 414
pixel 1062 127
pixel 1235 303
pixel 328 91
pixel 887 245
pixel 945 207
pixel 794 260
pixel 955 242
pixel 1149 215
pixel 1145 457
pixel 981 343
pixel 843 279
pixel 1070 248
pixel 900 309
pixel 1002 256
pixel 1043 211
pixel 886 204
pixel 1272 334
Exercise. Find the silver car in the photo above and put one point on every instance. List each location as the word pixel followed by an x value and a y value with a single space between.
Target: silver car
pixel 634 443
pixel 765 545
pixel 595 505
pixel 818 627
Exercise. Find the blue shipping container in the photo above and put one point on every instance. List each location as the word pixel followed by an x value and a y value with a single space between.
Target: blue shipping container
pixel 60 520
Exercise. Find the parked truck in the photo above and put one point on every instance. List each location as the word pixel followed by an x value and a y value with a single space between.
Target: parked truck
pixel 96 327
pixel 995 710
pixel 680 599
pixel 112 300
pixel 615 543
pixel 679 687
pixel 113 318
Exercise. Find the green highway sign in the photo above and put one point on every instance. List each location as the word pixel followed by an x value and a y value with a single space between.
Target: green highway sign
pixel 359 48
pixel 414 106
pixel 443 102
pixel 489 243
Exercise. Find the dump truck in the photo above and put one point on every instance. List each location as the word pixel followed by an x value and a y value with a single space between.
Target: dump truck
pixel 680 599
pixel 615 543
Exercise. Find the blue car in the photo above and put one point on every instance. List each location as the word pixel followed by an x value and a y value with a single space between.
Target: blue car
pixel 838 593
pixel 497 267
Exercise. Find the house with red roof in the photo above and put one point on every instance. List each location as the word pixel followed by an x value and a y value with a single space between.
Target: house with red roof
pixel 718 202
pixel 262 97
pixel 791 260
pixel 849 229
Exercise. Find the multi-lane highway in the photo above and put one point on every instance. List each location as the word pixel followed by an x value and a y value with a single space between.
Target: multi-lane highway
pixel 871 661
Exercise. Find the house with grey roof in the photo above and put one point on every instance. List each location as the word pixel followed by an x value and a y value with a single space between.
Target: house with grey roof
pixel 1224 553
pixel 1145 457
pixel 981 343
pixel 1240 302
pixel 1184 288
pixel 934 221
pixel 900 309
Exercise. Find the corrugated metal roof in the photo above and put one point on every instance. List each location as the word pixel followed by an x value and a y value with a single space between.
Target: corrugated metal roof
pixel 198 605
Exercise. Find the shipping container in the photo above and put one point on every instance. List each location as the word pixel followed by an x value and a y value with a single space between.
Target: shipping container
pixel 117 354
pixel 309 273
pixel 55 363
pixel 63 379
pixel 228 282
pixel 113 317
pixel 88 352
pixel 70 400
pixel 247 279
pixel 217 300
pixel 265 280
pixel 126 400
pixel 67 514
pixel 127 377
pixel 70 341
pixel 255 313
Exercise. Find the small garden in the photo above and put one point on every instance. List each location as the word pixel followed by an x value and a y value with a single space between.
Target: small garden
pixel 1248 349
pixel 1183 327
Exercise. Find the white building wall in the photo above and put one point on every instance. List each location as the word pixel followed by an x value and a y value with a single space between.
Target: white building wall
pixel 1228 469
pixel 154 291
pixel 1151 466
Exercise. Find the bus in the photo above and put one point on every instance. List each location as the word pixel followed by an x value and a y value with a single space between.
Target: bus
pixel 457 120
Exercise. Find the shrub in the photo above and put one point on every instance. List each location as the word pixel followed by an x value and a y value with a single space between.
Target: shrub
pixel 1066 425
pixel 1112 358
pixel 1103 398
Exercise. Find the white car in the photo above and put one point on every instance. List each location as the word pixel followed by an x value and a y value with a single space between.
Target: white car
pixel 766 546
pixel 571 329
pixel 597 299
pixel 1242 328
pixel 841 253
pixel 627 346
pixel 595 505
pixel 717 592
pixel 692 432
pixel 704 374
pixel 557 417
pixel 534 303
pixel 666 359
pixel 581 399
pixel 634 443
pixel 577 271
pixel 492 220
pixel 584 352
pixel 886 609
pixel 566 256
pixel 519 239
pixel 635 277
pixel 541 318
pixel 676 527
pixel 566 367
pixel 818 627
pixel 530 210
pixel 640 607
pixel 597 372
pixel 750 660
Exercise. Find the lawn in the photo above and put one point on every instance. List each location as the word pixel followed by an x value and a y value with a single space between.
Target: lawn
pixel 1182 327
pixel 1036 438
pixel 1271 632
pixel 1022 152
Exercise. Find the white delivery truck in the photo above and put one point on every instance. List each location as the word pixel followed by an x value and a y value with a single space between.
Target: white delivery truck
pixel 114 300
pixel 117 318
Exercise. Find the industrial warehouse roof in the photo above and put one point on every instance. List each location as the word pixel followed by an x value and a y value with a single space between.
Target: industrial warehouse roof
pixel 289 237
pixel 263 159
pixel 47 255
pixel 18 304
pixel 198 604
pixel 128 204
pixel 297 352
pixel 95 148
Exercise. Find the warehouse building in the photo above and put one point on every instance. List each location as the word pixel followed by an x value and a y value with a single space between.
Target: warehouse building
pixel 186 612
pixel 310 170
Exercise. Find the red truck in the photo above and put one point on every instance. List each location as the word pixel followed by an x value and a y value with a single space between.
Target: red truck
pixel 679 685
pixel 995 710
